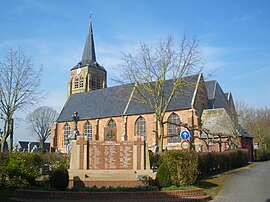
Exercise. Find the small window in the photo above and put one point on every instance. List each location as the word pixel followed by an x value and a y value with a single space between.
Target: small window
pixel 76 83
pixel 88 130
pixel 81 82
pixel 112 124
pixel 173 130
pixel 141 127
pixel 66 133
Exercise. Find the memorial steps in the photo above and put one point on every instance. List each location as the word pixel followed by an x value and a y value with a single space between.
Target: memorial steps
pixel 104 175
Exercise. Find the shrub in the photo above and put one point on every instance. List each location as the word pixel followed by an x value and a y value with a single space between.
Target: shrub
pixel 163 177
pixel 183 166
pixel 59 178
pixel 55 160
pixel 211 162
pixel 262 155
pixel 4 159
pixel 24 166
pixel 155 160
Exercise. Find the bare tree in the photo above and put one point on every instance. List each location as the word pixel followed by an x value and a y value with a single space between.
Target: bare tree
pixel 40 121
pixel 150 69
pixel 19 89
pixel 256 121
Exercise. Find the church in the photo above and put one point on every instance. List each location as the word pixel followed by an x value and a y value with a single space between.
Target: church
pixel 105 112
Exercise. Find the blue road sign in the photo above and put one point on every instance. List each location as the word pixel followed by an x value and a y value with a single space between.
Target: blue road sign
pixel 185 135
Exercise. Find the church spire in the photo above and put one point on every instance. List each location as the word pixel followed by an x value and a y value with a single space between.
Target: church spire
pixel 89 54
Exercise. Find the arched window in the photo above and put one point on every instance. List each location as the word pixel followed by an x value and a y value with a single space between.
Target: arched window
pixel 66 133
pixel 88 130
pixel 112 124
pixel 140 127
pixel 81 82
pixel 173 130
pixel 76 83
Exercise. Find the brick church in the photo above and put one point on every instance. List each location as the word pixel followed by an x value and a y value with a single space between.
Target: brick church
pixel 106 112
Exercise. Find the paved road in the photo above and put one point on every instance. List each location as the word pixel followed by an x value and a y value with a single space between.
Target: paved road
pixel 249 186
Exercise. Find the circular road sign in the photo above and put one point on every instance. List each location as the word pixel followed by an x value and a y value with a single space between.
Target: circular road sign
pixel 185 144
pixel 185 135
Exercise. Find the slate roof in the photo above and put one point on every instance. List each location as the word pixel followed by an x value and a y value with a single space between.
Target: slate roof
pixel 23 145
pixel 217 98
pixel 89 53
pixel 112 101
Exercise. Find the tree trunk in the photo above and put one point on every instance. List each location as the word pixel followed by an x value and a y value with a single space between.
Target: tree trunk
pixel 160 136
pixel 41 144
pixel 2 144
pixel 11 135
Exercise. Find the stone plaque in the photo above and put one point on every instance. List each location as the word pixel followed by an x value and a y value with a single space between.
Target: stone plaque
pixel 110 155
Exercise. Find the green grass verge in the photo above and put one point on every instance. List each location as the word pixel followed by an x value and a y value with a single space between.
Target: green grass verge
pixel 173 187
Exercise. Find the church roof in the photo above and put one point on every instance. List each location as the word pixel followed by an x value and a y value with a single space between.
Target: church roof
pixel 113 101
pixel 217 98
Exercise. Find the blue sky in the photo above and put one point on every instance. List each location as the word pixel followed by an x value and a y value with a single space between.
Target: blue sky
pixel 233 35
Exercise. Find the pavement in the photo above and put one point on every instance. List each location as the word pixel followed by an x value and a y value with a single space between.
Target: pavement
pixel 249 186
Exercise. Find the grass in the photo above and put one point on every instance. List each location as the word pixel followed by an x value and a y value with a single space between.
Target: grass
pixel 213 184
pixel 173 187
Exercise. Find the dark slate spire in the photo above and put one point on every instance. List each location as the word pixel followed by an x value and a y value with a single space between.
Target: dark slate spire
pixel 89 54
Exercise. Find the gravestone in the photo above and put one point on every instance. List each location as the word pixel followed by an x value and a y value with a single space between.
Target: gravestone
pixel 109 162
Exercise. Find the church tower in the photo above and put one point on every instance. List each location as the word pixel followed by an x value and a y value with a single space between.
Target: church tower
pixel 87 75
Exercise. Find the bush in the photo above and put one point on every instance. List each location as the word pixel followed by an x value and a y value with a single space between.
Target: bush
pixel 55 160
pixel 163 177
pixel 262 155
pixel 4 159
pixel 183 166
pixel 155 160
pixel 178 168
pixel 24 166
pixel 211 162
pixel 59 178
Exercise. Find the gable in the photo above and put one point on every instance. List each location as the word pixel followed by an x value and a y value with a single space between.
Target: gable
pixel 216 97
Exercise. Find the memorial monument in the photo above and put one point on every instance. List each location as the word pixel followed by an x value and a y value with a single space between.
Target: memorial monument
pixel 109 162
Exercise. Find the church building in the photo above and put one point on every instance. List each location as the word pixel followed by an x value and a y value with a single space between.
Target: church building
pixel 107 113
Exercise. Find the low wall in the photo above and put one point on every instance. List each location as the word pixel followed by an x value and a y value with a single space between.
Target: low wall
pixel 192 194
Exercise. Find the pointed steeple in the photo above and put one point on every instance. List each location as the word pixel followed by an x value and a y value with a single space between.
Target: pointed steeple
pixel 89 54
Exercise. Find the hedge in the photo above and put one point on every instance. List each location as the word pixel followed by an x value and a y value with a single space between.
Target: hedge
pixel 211 162
pixel 262 155
pixel 182 166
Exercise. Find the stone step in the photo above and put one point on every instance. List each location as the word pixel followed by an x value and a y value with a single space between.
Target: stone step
pixel 104 175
